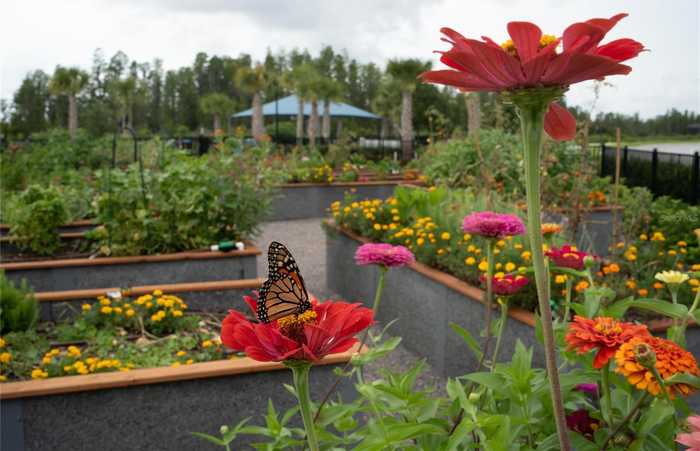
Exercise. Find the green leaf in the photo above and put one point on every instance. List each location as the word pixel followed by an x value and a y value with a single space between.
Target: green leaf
pixel 684 378
pixel 618 309
pixel 468 339
pixel 654 415
pixel 677 311
pixel 209 438
pixel 696 315
pixel 488 380
pixel 593 298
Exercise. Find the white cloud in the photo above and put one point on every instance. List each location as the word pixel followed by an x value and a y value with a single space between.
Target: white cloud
pixel 44 33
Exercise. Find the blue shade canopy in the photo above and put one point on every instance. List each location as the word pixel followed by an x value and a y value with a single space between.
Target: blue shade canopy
pixel 288 106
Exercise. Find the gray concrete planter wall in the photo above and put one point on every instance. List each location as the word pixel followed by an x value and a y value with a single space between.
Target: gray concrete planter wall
pixel 211 297
pixel 85 273
pixel 149 409
pixel 311 200
pixel 425 301
pixel 595 232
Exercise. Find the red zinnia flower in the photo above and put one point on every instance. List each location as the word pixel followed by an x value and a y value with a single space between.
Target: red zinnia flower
pixel 508 284
pixel 530 60
pixel 567 257
pixel 602 333
pixel 581 422
pixel 329 327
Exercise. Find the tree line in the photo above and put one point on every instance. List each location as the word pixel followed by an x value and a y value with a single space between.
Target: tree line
pixel 118 92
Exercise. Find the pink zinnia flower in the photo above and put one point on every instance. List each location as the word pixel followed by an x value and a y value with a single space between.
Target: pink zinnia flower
pixel 581 422
pixel 591 389
pixel 531 59
pixel 567 257
pixel 493 225
pixel 383 254
pixel 508 284
pixel 691 439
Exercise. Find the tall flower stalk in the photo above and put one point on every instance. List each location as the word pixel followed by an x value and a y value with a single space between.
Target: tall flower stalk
pixel 532 105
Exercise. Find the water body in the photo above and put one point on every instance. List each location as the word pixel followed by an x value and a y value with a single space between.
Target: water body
pixel 685 148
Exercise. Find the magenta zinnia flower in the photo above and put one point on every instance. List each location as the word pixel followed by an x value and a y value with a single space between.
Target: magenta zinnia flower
pixel 691 439
pixel 383 254
pixel 506 285
pixel 493 225
pixel 567 257
pixel 531 59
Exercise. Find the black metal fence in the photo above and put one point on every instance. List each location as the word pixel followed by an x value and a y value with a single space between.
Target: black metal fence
pixel 663 173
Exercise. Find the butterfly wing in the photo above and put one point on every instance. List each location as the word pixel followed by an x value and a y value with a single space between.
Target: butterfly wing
pixel 284 292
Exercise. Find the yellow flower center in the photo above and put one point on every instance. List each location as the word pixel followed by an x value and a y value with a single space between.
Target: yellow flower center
pixel 607 326
pixel 294 324
pixel 509 45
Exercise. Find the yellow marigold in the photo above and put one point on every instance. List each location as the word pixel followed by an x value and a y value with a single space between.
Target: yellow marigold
pixel 560 279
pixel 106 310
pixel 129 313
pixel 5 357
pixel 181 353
pixel 470 261
pixel 510 266
pixel 550 229
pixel 420 241
pixel 526 255
pixel 38 373
pixel 157 293
pixel 682 244
pixel 86 307
pixel 483 265
pixel 518 246
pixel 206 343
pixel 658 236
pixel 105 301
pixel 467 237
pixel 694 283
pixel 582 285
pixel 670 359
pixel 631 256
pixel 177 313
pixel 631 284
pixel 672 252
pixel 696 267
pixel 445 236
pixel 3 378
pixel 2 343
pixel 643 237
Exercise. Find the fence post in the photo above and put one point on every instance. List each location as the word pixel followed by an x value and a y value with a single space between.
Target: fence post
pixel 624 162
pixel 695 179
pixel 654 169
pixel 602 159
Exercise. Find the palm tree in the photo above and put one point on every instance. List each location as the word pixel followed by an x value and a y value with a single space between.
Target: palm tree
pixel 386 104
pixel 69 81
pixel 217 105
pixel 304 81
pixel 405 73
pixel 253 82
pixel 329 90
pixel 124 91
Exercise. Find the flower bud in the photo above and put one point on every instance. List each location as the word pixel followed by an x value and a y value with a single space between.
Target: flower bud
pixel 474 397
pixel 645 355
pixel 588 261
pixel 224 430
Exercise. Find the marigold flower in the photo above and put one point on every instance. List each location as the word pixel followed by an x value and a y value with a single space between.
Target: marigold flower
pixel 581 286
pixel 643 292
pixel 567 257
pixel 329 327
pixel 604 334
pixel 549 229
pixel 531 60
pixel 506 284
pixel 492 225
pixel 670 359
pixel 384 255
pixel 671 277
pixel 470 261
pixel 692 438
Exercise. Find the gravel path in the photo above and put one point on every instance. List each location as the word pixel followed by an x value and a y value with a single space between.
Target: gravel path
pixel 307 242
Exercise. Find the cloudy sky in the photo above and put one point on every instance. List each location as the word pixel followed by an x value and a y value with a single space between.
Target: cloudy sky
pixel 39 34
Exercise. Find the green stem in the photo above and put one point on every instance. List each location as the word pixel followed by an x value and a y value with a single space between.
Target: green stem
pixel 501 328
pixel 567 300
pixel 606 400
pixel 626 420
pixel 693 307
pixel 490 265
pixel 300 372
pixel 375 309
pixel 531 112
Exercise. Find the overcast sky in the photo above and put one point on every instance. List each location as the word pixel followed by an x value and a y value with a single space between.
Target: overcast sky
pixel 39 34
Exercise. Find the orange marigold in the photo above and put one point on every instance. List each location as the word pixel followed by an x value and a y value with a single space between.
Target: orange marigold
pixel 602 333
pixel 670 359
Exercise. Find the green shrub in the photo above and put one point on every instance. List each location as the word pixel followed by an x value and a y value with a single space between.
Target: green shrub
pixel 39 212
pixel 19 309
pixel 191 203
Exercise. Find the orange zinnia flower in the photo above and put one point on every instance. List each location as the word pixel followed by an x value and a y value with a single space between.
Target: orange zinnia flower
pixel 670 359
pixel 602 333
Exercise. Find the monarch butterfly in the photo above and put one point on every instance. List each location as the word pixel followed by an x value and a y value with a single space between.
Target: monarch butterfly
pixel 284 292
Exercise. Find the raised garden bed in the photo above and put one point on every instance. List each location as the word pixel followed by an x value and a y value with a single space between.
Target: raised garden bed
pixel 99 272
pixel 148 409
pixel 426 301
pixel 595 231
pixel 211 297
pixel 311 200
pixel 82 225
